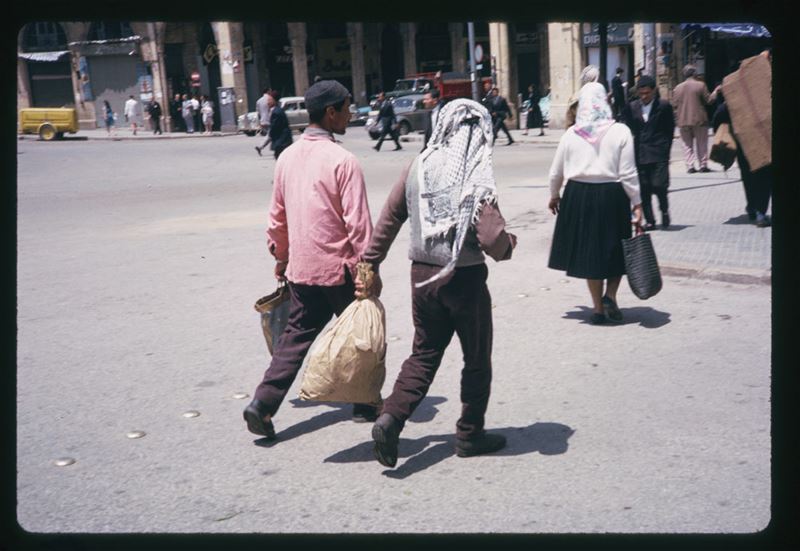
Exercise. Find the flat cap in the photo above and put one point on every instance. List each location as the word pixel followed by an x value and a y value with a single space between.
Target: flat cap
pixel 646 81
pixel 325 93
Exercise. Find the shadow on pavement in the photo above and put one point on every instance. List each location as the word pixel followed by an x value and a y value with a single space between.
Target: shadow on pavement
pixel 648 318
pixel 672 228
pixel 424 413
pixel 739 220
pixel 422 453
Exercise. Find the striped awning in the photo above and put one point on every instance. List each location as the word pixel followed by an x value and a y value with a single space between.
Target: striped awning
pixel 43 56
pixel 736 29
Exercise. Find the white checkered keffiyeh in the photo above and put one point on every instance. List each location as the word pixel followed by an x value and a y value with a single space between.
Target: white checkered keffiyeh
pixel 455 175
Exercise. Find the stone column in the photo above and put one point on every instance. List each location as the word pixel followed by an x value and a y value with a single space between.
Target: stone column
pixel 458 47
pixel 297 38
pixel 355 34
pixel 24 98
pixel 668 71
pixel 409 33
pixel 153 53
pixel 502 52
pixel 230 41
pixel 564 47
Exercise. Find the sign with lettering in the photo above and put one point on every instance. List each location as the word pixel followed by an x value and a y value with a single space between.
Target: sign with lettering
pixel 619 34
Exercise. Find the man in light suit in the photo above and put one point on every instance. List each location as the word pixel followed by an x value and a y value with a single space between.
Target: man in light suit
pixel 690 99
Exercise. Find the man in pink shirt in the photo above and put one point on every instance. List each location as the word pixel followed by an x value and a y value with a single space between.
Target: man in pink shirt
pixel 319 227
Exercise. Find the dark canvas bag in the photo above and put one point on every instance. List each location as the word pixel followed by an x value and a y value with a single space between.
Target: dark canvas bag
pixel 644 276
pixel 274 310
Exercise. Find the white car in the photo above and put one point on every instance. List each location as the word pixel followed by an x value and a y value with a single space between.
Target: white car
pixel 293 106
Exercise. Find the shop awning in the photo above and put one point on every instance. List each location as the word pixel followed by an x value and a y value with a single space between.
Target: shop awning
pixel 736 29
pixel 43 56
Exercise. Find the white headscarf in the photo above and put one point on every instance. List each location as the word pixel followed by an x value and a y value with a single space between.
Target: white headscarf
pixel 455 174
pixel 594 117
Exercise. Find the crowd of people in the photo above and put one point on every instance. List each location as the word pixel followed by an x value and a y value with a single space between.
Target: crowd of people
pixel 188 113
pixel 609 163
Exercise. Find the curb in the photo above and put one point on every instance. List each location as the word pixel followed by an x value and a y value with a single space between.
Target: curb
pixel 744 277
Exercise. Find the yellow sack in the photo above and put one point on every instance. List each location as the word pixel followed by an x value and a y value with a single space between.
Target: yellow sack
pixel 348 361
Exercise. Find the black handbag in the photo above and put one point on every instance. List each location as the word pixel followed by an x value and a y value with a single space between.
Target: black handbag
pixel 641 265
pixel 274 310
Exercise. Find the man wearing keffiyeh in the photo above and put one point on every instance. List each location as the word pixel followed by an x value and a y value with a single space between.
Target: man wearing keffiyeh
pixel 449 196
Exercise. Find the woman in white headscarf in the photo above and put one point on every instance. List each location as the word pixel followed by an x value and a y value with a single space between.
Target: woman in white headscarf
pixel 596 159
pixel 449 196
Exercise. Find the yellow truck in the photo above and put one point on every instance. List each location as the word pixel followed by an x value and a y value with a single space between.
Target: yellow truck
pixel 49 122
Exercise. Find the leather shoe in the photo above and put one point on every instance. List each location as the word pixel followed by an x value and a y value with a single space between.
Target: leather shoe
pixel 259 151
pixel 692 170
pixel 254 416
pixel 705 169
pixel 612 310
pixel 597 319
pixel 363 413
pixel 485 443
pixel 665 221
pixel 386 434
pixel 650 226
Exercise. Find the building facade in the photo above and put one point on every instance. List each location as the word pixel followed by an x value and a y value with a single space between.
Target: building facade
pixel 83 64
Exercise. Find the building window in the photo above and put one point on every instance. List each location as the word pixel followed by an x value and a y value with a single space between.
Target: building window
pixel 110 30
pixel 44 36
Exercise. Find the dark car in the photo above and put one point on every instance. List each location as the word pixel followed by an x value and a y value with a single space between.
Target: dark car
pixel 411 116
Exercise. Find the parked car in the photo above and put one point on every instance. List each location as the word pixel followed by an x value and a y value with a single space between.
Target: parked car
pixel 49 122
pixel 411 116
pixel 295 108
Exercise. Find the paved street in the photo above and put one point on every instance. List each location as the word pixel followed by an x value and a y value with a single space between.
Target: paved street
pixel 139 261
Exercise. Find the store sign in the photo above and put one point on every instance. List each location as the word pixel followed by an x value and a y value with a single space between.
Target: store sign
pixel 528 38
pixel 209 53
pixel 619 34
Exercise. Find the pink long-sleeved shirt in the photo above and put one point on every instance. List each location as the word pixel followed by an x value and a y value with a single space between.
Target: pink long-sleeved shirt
pixel 319 217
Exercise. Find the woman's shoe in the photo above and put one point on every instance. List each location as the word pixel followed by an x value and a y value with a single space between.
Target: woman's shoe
pixel 597 319
pixel 612 311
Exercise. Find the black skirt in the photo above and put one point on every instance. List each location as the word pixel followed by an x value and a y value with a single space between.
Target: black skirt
pixel 592 221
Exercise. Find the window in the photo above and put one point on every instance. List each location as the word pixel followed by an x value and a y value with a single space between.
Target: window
pixel 110 30
pixel 44 36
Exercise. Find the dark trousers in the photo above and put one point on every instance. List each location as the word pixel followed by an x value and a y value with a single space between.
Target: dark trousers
pixel 757 185
pixel 311 308
pixel 279 150
pixel 500 124
pixel 387 130
pixel 654 180
pixel 460 304
pixel 156 125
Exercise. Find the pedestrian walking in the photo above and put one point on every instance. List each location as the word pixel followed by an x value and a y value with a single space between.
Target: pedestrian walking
pixel 690 99
pixel 319 227
pixel 386 121
pixel 618 94
pixel 432 101
pixel 187 112
pixel 108 117
pixel 533 116
pixel 207 110
pixel 175 108
pixel 132 113
pixel 197 117
pixel 263 110
pixel 280 133
pixel 596 158
pixel 757 184
pixel 154 111
pixel 448 272
pixel 499 111
pixel 652 123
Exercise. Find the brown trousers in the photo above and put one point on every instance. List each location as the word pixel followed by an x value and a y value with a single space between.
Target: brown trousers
pixel 459 303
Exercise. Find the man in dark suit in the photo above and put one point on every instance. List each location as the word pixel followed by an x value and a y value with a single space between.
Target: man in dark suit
pixel 499 109
pixel 652 123
pixel 431 101
pixel 279 132
pixel 386 119
pixel 618 94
